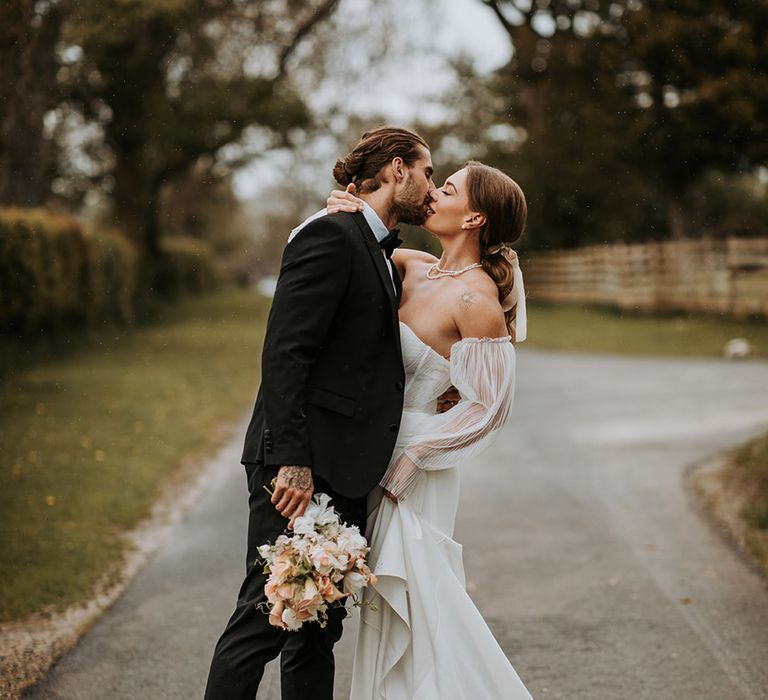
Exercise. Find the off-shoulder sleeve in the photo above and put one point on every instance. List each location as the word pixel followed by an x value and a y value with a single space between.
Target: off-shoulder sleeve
pixel 483 370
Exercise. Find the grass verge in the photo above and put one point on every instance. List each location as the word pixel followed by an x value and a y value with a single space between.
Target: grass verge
pixel 735 491
pixel 87 440
pixel 591 329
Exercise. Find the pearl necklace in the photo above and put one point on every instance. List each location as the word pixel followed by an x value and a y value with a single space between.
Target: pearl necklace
pixel 431 275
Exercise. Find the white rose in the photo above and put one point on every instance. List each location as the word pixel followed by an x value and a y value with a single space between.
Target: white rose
pixel 290 619
pixel 304 525
pixel 353 582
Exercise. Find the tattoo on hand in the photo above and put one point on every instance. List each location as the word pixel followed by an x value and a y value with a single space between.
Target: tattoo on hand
pixel 299 478
pixel 467 298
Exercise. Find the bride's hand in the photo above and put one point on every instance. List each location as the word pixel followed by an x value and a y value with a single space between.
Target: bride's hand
pixel 344 200
pixel 389 495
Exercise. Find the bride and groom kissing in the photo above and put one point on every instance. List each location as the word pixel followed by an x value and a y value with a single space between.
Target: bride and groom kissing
pixel 362 340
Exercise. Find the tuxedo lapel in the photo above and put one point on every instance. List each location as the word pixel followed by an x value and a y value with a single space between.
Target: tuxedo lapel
pixel 374 249
pixel 398 284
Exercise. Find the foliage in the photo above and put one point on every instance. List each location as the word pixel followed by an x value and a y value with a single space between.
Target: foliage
pixel 132 96
pixel 174 81
pixel 28 65
pixel 203 206
pixel 52 274
pixel 698 76
pixel 55 276
pixel 749 472
pixel 616 111
pixel 185 266
pixel 721 205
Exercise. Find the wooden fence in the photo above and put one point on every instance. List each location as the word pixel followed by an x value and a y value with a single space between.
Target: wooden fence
pixel 716 276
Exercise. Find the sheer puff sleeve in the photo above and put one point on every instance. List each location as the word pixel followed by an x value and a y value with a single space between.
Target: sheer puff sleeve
pixel 483 370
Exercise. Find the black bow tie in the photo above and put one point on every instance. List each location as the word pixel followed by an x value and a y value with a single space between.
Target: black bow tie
pixel 390 242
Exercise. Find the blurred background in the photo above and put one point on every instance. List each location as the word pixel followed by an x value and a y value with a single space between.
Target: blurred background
pixel 155 154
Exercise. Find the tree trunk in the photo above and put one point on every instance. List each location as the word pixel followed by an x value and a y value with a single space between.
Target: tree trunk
pixel 136 200
pixel 676 217
pixel 28 68
pixel 137 205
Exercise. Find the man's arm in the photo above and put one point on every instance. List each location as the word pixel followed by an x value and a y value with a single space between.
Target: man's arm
pixel 313 279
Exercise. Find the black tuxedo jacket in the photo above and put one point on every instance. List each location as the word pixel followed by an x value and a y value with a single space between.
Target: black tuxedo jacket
pixel 331 394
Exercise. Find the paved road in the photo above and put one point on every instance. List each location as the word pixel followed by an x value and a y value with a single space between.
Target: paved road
pixel 591 564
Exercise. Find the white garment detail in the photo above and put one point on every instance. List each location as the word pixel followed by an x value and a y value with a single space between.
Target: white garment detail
pixel 426 640
pixel 516 297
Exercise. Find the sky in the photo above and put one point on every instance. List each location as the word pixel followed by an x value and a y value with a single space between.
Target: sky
pixel 400 86
pixel 453 28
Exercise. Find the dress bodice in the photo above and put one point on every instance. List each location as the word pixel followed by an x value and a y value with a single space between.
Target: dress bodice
pixel 427 373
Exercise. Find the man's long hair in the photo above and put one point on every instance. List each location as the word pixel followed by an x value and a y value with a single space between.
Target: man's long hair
pixel 376 149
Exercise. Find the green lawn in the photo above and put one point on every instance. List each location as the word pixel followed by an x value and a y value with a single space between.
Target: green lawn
pixel 86 440
pixel 559 327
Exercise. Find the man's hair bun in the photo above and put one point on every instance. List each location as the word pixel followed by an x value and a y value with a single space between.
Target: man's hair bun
pixel 341 174
pixel 376 149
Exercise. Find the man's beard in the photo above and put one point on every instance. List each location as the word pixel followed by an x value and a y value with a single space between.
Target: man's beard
pixel 407 209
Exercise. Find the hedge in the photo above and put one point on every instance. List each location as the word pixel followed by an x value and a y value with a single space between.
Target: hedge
pixel 53 274
pixel 185 265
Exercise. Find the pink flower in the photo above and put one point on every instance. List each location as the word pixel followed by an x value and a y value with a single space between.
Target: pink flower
pixel 280 569
pixel 270 589
pixel 285 591
pixel 276 615
pixel 329 592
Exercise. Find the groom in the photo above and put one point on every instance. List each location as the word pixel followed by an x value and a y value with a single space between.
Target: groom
pixel 330 402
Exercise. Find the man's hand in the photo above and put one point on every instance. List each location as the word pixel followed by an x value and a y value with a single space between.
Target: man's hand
pixel 448 399
pixel 293 492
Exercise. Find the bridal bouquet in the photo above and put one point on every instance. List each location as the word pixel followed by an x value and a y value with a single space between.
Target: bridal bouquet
pixel 322 562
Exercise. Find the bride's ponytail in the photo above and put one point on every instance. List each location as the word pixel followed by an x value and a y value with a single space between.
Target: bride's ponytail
pixel 501 199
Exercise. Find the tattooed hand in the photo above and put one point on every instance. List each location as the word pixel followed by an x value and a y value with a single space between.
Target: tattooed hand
pixel 293 492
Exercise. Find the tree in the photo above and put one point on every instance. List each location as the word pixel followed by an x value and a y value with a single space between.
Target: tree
pixel 552 125
pixel 579 185
pixel 29 31
pixel 174 81
pixel 696 74
pixel 644 97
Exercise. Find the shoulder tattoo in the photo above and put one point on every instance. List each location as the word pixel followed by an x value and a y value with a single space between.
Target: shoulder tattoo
pixel 468 298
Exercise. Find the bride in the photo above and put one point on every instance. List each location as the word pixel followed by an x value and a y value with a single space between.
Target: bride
pixel 421 637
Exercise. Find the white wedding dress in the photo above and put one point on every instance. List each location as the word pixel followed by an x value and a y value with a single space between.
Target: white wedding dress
pixel 421 637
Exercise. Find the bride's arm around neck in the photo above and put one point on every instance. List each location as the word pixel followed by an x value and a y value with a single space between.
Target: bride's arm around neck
pixel 403 257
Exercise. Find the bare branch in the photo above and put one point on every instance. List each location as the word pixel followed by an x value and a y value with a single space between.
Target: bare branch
pixel 508 26
pixel 321 13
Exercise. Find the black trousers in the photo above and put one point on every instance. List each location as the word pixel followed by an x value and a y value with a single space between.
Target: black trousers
pixel 249 642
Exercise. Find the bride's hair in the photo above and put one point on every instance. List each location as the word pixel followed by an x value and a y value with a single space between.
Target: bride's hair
pixel 375 149
pixel 500 198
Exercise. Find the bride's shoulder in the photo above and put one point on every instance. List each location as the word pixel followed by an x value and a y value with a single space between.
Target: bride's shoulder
pixel 477 311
